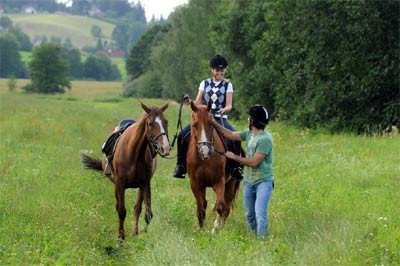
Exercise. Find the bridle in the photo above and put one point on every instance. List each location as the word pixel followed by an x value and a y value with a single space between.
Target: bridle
pixel 201 144
pixel 207 144
pixel 154 147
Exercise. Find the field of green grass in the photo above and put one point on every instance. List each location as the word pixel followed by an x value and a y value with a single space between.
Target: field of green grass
pixel 336 199
pixel 77 28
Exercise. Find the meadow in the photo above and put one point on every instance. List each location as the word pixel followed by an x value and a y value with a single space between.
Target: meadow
pixel 336 199
pixel 77 28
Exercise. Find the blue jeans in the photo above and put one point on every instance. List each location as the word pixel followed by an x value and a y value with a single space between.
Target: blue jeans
pixel 256 201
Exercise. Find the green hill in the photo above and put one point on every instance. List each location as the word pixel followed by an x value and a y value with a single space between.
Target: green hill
pixel 77 28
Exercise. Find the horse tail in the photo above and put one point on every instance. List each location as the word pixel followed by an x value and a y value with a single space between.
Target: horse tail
pixel 91 163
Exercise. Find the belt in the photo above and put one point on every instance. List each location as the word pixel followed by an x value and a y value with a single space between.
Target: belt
pixel 219 116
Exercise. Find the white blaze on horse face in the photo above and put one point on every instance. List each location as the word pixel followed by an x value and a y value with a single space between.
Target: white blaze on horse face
pixel 166 147
pixel 204 149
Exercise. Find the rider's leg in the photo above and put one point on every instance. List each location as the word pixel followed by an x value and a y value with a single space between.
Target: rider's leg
pixel 236 168
pixel 180 169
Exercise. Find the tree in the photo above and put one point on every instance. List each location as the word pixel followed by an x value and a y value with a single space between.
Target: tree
pixel 96 31
pixel 181 66
pixel 48 70
pixel 126 35
pixel 67 43
pixel 5 22
pixel 139 56
pixel 24 42
pixel 80 7
pixel 72 58
pixel 10 59
pixel 99 67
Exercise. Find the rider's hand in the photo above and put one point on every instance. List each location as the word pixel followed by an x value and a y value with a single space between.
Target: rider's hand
pixel 185 98
pixel 230 155
pixel 224 110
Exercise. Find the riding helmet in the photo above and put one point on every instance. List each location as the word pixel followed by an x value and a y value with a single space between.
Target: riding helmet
pixel 218 61
pixel 259 114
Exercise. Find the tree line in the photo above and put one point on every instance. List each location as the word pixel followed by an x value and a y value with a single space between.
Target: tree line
pixel 315 64
pixel 94 66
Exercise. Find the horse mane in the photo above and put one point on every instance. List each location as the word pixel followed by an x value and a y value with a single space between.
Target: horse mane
pixel 139 132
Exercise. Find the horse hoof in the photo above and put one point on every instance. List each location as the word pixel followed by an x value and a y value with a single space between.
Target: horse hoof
pixel 148 217
pixel 120 243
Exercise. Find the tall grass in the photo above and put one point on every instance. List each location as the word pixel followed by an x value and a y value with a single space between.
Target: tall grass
pixel 336 199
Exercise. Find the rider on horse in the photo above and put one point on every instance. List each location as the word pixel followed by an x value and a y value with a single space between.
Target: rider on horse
pixel 220 92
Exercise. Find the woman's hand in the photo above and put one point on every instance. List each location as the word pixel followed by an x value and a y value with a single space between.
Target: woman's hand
pixel 230 155
pixel 224 110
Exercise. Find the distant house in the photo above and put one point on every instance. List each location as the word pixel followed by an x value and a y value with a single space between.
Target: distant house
pixel 28 9
pixel 113 53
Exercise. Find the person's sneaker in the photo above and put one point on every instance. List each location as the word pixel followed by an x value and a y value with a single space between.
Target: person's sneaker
pixel 179 172
pixel 237 174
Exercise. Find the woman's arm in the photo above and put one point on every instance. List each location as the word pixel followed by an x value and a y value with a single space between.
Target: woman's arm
pixel 226 132
pixel 199 98
pixel 252 162
pixel 228 103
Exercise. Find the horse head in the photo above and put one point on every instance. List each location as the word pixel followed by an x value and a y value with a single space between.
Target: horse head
pixel 157 129
pixel 202 130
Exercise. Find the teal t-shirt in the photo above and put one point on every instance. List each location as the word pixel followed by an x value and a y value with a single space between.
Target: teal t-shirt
pixel 262 142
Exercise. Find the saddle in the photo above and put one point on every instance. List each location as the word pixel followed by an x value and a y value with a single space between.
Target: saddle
pixel 108 148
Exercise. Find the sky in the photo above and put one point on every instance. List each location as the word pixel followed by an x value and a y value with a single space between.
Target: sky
pixel 156 7
pixel 160 7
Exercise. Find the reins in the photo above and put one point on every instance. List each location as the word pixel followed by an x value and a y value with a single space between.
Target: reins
pixel 179 122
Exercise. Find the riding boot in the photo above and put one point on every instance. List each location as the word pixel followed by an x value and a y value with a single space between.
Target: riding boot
pixel 237 173
pixel 236 169
pixel 180 169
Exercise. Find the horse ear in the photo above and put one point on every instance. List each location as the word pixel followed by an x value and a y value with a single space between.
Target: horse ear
pixel 209 104
pixel 145 108
pixel 164 107
pixel 193 106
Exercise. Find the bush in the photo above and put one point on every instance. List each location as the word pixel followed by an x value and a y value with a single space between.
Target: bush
pixel 12 84
pixel 146 86
pixel 48 70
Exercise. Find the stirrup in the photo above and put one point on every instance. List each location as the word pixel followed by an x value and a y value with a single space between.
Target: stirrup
pixel 179 172
pixel 237 173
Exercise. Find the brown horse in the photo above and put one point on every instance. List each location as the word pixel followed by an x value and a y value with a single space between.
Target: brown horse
pixel 206 167
pixel 134 162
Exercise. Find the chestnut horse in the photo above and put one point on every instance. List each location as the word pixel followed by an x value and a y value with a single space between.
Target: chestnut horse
pixel 206 166
pixel 134 162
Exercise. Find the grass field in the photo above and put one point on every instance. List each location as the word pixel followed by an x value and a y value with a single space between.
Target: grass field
pixel 77 28
pixel 336 199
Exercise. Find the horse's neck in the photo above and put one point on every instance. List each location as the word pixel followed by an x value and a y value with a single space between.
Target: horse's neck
pixel 138 143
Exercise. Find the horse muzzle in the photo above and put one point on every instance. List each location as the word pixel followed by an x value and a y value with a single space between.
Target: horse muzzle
pixel 205 149
pixel 164 149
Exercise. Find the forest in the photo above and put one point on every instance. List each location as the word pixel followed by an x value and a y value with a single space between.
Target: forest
pixel 314 64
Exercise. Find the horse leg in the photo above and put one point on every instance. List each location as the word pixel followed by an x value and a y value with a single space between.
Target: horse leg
pixel 229 198
pixel 138 210
pixel 220 207
pixel 200 195
pixel 147 202
pixel 120 206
